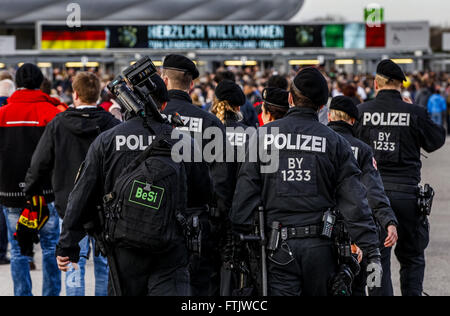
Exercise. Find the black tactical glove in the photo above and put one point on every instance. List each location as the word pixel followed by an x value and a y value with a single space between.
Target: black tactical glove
pixel 374 268
pixel 341 283
pixel 32 219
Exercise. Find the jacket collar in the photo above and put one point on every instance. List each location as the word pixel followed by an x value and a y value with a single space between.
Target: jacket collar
pixel 341 127
pixel 303 112
pixel 389 94
pixel 232 117
pixel 180 95
pixel 29 96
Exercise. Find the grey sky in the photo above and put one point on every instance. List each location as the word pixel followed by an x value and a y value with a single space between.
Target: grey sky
pixel 437 12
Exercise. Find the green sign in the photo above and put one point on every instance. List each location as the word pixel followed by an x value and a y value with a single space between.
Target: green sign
pixel 333 35
pixel 146 195
pixel 374 15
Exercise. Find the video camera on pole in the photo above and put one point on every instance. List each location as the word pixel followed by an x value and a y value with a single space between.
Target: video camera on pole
pixel 133 90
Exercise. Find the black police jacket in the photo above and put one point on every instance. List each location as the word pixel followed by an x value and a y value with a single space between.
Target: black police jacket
pixel 317 171
pixel 396 131
pixel 378 201
pixel 196 122
pixel 62 148
pixel 108 155
pixel 238 135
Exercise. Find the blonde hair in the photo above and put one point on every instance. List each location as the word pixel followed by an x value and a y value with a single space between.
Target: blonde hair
pixel 220 108
pixel 336 115
pixel 387 83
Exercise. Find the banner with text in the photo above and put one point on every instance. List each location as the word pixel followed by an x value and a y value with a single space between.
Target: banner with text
pixel 234 36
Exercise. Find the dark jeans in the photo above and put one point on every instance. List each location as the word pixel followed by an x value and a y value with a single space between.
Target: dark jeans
pixel 3 235
pixel 413 239
pixel 150 274
pixel 304 272
pixel 20 265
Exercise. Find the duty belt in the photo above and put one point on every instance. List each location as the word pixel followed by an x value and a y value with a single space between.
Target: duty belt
pixel 300 232
pixel 405 188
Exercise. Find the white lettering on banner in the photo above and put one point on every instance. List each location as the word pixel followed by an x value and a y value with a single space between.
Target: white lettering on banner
pixel 296 142
pixel 386 119
pixel 133 142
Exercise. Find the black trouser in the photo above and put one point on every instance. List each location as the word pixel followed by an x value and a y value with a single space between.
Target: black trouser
pixel 360 282
pixel 448 123
pixel 413 239
pixel 152 274
pixel 205 270
pixel 304 273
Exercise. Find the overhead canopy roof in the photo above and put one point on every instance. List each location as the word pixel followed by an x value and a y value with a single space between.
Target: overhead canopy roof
pixel 30 11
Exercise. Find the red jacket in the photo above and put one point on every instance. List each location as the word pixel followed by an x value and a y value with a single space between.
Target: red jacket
pixel 22 123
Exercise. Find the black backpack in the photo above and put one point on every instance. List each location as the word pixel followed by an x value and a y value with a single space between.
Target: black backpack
pixel 142 210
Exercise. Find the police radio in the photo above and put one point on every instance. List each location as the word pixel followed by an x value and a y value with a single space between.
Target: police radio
pixel 133 89
pixel 328 221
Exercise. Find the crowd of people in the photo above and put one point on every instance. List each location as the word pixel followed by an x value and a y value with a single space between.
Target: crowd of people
pixel 62 123
pixel 428 89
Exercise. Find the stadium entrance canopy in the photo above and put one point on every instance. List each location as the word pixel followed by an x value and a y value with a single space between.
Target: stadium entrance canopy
pixel 31 11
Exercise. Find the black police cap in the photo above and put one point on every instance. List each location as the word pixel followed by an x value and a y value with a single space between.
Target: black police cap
pixel 390 70
pixel 229 91
pixel 312 84
pixel 346 105
pixel 181 63
pixel 276 97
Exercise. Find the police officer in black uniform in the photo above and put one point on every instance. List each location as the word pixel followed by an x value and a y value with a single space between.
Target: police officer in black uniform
pixel 229 98
pixel 140 273
pixel 178 74
pixel 397 131
pixel 316 172
pixel 342 117
pixel 276 104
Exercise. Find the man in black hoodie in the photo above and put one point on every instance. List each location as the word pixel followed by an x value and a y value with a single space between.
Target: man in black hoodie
pixel 61 151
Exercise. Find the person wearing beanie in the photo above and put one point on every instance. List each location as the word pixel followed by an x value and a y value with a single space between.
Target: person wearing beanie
pixel 22 123
pixel 397 131
pixel 307 170
pixel 342 117
pixel 29 76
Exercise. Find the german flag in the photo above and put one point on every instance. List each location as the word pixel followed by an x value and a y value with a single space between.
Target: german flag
pixel 77 40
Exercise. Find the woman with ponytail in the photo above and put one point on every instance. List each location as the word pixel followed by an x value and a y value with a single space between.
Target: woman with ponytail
pixel 227 103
